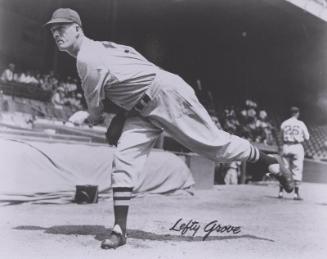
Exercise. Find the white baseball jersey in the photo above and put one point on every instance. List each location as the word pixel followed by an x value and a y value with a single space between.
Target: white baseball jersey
pixel 121 74
pixel 294 131
pixel 114 71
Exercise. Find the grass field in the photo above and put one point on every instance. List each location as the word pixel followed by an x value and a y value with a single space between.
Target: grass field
pixel 53 227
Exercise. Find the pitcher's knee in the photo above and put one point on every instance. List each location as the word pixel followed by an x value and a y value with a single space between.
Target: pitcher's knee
pixel 121 178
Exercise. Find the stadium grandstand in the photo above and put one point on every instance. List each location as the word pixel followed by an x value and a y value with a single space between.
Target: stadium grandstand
pixel 245 71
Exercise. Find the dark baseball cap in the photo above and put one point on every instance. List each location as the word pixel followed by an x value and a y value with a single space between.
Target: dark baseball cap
pixel 64 15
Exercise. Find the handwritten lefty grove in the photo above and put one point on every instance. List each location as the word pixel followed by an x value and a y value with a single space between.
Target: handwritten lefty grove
pixel 153 100
pixel 194 226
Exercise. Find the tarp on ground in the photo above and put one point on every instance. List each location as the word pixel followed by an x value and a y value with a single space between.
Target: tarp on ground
pixel 29 167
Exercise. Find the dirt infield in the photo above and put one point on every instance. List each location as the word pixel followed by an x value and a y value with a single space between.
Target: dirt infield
pixel 259 225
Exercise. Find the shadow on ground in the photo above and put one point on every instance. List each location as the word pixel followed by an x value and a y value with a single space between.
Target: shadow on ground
pixel 285 198
pixel 44 198
pixel 100 233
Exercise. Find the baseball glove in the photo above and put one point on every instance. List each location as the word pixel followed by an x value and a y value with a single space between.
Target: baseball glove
pixel 115 129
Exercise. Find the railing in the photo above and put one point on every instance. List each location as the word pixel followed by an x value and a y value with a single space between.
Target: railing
pixel 25 90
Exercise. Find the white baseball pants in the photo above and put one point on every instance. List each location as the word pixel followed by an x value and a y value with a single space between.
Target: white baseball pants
pixel 293 155
pixel 175 109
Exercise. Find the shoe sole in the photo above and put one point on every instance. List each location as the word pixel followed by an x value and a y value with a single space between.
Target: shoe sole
pixel 106 247
pixel 111 246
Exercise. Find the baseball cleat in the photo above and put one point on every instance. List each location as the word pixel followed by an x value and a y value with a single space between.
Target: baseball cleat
pixel 282 174
pixel 280 196
pixel 116 239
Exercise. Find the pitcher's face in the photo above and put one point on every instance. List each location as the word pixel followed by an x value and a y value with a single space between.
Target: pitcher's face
pixel 65 35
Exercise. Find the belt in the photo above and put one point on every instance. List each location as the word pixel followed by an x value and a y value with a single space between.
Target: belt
pixel 291 142
pixel 142 103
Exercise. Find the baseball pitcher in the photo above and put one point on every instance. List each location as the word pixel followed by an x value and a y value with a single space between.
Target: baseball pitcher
pixel 153 100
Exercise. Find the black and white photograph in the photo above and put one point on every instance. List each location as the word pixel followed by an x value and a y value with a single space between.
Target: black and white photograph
pixel 163 129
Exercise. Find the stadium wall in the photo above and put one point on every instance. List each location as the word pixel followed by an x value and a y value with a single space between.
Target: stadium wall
pixel 314 171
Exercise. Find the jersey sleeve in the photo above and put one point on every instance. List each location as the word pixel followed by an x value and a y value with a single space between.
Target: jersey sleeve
pixel 93 78
pixel 93 86
pixel 282 126
pixel 305 132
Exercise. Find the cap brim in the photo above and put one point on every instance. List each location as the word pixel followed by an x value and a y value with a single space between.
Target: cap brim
pixel 57 20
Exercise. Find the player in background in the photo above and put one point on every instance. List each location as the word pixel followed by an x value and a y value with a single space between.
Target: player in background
pixel 294 132
pixel 154 100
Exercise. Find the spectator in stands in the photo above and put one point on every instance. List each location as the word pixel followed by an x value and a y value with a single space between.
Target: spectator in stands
pixel 251 104
pixel 61 85
pixel 230 121
pixel 249 129
pixel 75 84
pixel 243 117
pixel 22 77
pixel 231 111
pixel 75 102
pixel 39 79
pixel 248 118
pixel 261 124
pixel 50 82
pixel 264 129
pixel 70 84
pixel 58 100
pixel 263 115
pixel 47 85
pixel 28 78
pixel 54 82
pixel 251 112
pixel 8 73
pixel 231 124
pixel 232 171
pixel 16 76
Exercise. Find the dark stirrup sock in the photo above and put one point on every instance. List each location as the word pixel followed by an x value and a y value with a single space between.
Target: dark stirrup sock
pixel 122 196
pixel 257 156
pixel 296 190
